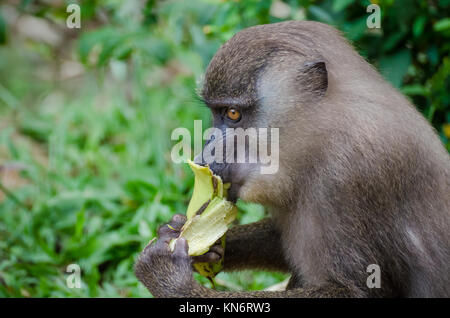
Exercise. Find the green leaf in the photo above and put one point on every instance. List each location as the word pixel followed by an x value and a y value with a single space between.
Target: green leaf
pixel 339 5
pixel 393 40
pixel 414 90
pixel 442 25
pixel 2 29
pixel 79 224
pixel 320 14
pixel 395 66
pixel 355 30
pixel 419 25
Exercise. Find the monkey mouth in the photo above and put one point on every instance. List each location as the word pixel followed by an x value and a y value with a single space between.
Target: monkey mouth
pixel 232 195
pixel 228 175
pixel 233 191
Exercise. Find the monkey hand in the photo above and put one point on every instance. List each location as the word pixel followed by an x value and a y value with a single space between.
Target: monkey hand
pixel 166 273
pixel 214 254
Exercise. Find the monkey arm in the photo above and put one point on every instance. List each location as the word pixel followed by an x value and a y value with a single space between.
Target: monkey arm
pixel 169 274
pixel 254 246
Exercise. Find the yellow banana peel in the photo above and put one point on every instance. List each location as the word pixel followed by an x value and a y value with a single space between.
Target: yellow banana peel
pixel 208 216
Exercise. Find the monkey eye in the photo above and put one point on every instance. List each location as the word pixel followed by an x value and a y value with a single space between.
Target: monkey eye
pixel 233 114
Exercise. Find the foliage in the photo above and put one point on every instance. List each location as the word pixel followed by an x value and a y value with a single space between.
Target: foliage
pixel 91 152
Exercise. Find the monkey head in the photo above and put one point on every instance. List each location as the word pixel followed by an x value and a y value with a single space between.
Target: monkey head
pixel 266 83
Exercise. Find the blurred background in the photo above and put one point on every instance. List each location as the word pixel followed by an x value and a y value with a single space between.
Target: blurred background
pixel 86 116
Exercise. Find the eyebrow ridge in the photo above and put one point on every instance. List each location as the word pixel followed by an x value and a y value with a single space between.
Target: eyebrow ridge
pixel 227 102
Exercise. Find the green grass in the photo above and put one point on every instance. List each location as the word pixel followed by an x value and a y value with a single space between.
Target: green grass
pixel 97 182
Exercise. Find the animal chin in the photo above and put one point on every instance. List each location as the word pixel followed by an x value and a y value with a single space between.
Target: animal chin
pixel 233 192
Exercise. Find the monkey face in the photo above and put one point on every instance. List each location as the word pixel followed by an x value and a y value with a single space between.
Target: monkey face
pixel 244 147
pixel 231 150
pixel 258 88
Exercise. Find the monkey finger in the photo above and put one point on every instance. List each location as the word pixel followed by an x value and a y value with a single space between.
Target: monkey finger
pixel 181 248
pixel 218 249
pixel 149 244
pixel 208 257
pixel 167 233
pixel 177 221
pixel 161 246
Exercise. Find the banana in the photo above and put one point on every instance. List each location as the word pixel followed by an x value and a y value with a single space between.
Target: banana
pixel 208 216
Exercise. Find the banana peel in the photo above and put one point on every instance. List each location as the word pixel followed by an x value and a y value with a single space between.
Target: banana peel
pixel 209 214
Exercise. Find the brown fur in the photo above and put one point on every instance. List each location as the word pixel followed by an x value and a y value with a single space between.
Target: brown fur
pixel 363 177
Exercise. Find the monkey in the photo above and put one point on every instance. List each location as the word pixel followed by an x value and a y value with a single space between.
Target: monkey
pixel 363 178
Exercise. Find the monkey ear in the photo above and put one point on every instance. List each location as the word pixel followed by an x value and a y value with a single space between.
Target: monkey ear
pixel 315 77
